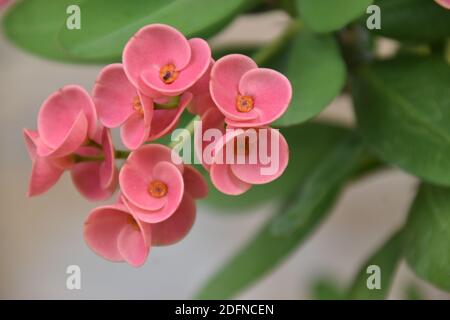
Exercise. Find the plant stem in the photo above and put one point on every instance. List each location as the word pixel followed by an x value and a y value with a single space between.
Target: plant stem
pixel 171 104
pixel 121 154
pixel 267 52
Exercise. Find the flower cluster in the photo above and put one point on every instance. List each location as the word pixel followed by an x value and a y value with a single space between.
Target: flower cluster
pixel 162 73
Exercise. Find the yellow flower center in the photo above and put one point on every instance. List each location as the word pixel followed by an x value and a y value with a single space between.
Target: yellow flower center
pixel 133 223
pixel 168 74
pixel 137 105
pixel 157 189
pixel 244 103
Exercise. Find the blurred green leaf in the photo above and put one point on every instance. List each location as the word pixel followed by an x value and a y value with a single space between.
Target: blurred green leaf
pixel 323 181
pixel 266 249
pixel 387 259
pixel 326 289
pixel 33 25
pixel 427 235
pixel 403 111
pixel 326 15
pixel 413 20
pixel 108 24
pixel 308 145
pixel 314 66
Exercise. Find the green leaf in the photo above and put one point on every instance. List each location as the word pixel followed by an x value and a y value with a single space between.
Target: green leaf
pixel 427 235
pixel 103 36
pixel 320 186
pixel 308 145
pixel 387 259
pixel 326 289
pixel 413 20
pixel 403 112
pixel 326 15
pixel 33 25
pixel 314 66
pixel 265 250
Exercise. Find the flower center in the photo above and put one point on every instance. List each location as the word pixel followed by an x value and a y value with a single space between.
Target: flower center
pixel 137 105
pixel 133 223
pixel 157 189
pixel 168 73
pixel 244 103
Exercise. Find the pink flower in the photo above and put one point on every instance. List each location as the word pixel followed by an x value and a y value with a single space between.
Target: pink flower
pixel 45 171
pixel 444 3
pixel 96 180
pixel 248 96
pixel 153 186
pixel 66 119
pixel 160 61
pixel 116 234
pixel 252 160
pixel 119 103
pixel 202 101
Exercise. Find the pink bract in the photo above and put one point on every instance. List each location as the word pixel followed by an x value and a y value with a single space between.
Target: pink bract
pixel 152 185
pixel 45 171
pixel 119 103
pixel 160 61
pixel 444 3
pixel 96 180
pixel 265 93
pixel 66 119
pixel 236 178
pixel 202 101
pixel 117 235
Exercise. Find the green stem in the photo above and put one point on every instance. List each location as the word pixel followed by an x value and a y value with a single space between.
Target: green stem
pixel 267 52
pixel 121 154
pixel 171 104
pixel 92 143
pixel 181 137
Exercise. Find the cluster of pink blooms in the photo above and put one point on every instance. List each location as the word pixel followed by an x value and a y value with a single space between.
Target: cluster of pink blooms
pixel 162 74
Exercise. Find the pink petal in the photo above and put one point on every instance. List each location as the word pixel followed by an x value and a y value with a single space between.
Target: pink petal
pixel 226 74
pixel 108 170
pixel 102 229
pixel 171 176
pixel 31 137
pixel 44 175
pixel 151 48
pixel 165 121
pixel 136 128
pixel 194 70
pixel 225 181
pixel 113 96
pixel 66 142
pixel 194 183
pixel 211 119
pixel 132 247
pixel 177 226
pixel 253 174
pixel 134 186
pixel 444 3
pixel 201 100
pixel 271 92
pixel 147 156
pixel 86 178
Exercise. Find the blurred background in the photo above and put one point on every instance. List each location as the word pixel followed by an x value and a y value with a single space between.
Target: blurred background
pixel 41 237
